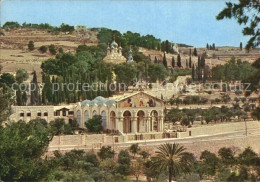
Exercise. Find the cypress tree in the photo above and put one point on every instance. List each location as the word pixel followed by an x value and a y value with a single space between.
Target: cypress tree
pixel 241 46
pixel 179 60
pixel 163 46
pixel 195 52
pixel 190 62
pixel 159 46
pixel 202 62
pixel 155 60
pixel 55 93
pixel 193 72
pixel 213 46
pixel 205 73
pixel 19 99
pixel 48 89
pixel 199 69
pixel 24 98
pixel 173 62
pixel 164 61
pixel 207 46
pixel 35 90
pixel 167 46
pixel 187 64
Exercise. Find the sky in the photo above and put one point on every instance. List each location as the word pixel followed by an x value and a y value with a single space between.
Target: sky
pixel 192 22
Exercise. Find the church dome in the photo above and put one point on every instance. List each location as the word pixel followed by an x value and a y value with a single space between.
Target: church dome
pixel 114 44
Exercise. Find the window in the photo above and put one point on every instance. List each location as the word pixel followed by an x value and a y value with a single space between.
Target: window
pixel 71 112
pixel 21 114
pixel 63 113
pixel 45 114
pixel 29 114
pixel 39 114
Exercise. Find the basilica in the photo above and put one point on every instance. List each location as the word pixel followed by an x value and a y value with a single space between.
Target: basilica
pixel 133 113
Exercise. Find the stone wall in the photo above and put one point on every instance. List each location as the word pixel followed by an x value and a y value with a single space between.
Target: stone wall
pixel 218 129
pixel 68 142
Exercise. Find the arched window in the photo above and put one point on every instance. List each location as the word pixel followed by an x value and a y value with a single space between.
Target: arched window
pixel 78 118
pixel 86 116
pixel 113 119
pixel 104 119
pixel 141 127
pixel 94 113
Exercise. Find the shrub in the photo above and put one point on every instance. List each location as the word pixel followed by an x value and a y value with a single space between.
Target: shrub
pixel 106 152
pixel 43 49
pixel 31 45
pixel 52 49
pixel 94 124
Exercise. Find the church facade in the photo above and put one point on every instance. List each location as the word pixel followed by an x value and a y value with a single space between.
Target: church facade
pixel 128 114
pixel 137 113
pixel 114 54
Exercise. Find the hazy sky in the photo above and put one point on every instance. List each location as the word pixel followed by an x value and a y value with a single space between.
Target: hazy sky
pixel 189 22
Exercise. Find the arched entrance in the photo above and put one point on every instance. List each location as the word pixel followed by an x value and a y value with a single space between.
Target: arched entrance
pixel 104 119
pixel 113 120
pixel 78 118
pixel 154 121
pixel 127 123
pixel 141 123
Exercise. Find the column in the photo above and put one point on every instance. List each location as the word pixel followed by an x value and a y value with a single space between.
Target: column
pixel 134 122
pixel 116 124
pixel 162 125
pixel 120 125
pixel 134 125
pixel 148 120
pixel 152 120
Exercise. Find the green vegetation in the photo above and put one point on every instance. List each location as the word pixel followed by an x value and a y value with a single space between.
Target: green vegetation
pixel 11 25
pixel 106 36
pixel 253 78
pixel 106 153
pixel 233 70
pixel 246 13
pixel 66 28
pixel 87 66
pixel 31 45
pixel 59 127
pixel 179 61
pixel 43 49
pixel 172 158
pixel 52 49
pixel 5 106
pixel 213 114
pixel 94 124
pixel 23 146
pixel 43 26
pixel 178 72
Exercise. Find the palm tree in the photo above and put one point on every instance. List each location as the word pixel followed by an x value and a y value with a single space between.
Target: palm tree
pixel 170 158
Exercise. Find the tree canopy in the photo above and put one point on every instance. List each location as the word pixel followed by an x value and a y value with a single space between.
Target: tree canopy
pixel 246 13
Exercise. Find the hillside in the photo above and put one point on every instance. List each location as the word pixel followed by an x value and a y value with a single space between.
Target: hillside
pixel 14 51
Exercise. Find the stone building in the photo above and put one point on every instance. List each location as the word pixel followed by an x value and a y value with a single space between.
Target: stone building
pixel 81 31
pixel 135 113
pixel 114 54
